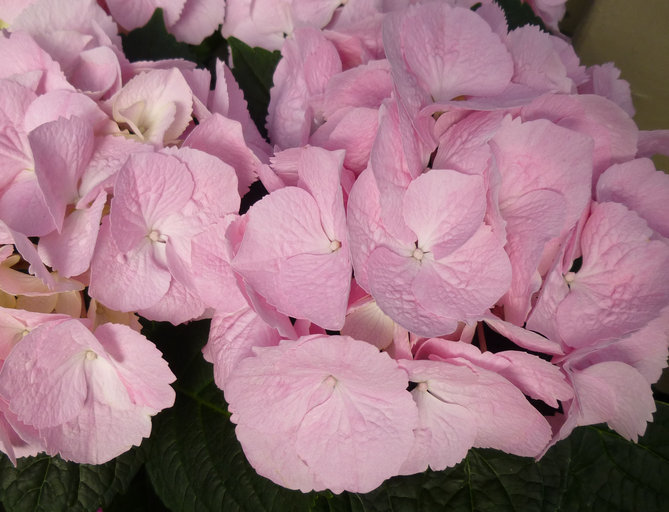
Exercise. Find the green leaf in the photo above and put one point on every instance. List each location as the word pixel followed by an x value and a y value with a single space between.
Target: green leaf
pixel 153 42
pixel 602 471
pixel 253 68
pixel 50 484
pixel 519 13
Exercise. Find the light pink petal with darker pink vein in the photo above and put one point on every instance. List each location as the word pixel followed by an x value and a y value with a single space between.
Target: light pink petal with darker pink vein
pixel 366 231
pixel 178 305
pixel 140 365
pixel 461 206
pixel 70 251
pixel 126 281
pixel 478 392
pixel 98 434
pixel 61 150
pixel 464 284
pixel 337 389
pixel 614 133
pixel 23 61
pixel 390 165
pixel 108 157
pixel 466 57
pixel 63 103
pixel 198 19
pixel 228 100
pixel 615 393
pixel 623 282
pixel 16 323
pixel 232 336
pixel 23 207
pixel 97 73
pixel 215 184
pixel 350 129
pixel 363 86
pixel 309 61
pixel 224 138
pixel 645 350
pixel 537 62
pixel 640 187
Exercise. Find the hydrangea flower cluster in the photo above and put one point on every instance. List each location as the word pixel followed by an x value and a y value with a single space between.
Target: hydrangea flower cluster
pixel 464 241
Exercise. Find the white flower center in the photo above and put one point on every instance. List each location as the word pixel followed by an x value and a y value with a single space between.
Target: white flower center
pixel 334 245
pixel 157 236
pixel 417 254
pixel 569 277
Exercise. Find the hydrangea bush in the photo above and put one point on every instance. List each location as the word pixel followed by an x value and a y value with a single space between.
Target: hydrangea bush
pixel 408 237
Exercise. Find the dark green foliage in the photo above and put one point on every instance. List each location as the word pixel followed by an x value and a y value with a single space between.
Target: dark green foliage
pixel 519 13
pixel 253 69
pixel 50 484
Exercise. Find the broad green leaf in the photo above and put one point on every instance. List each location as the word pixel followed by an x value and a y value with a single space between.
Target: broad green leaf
pixel 50 484
pixel 253 68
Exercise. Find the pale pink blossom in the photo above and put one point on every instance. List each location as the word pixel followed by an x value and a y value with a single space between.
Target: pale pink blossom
pixel 91 396
pixel 333 410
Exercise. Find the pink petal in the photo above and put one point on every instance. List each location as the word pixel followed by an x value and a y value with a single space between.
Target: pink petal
pixel 198 19
pixel 132 14
pixel 614 393
pixel 466 57
pixel 61 150
pixel 140 365
pixel 640 187
pixel 232 336
pixel 224 138
pixel 156 104
pixel 309 61
pixel 126 281
pixel 70 251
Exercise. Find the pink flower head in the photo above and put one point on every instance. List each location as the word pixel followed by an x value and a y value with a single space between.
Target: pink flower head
pixel 322 412
pixel 142 259
pixel 91 395
pixel 621 285
pixel 449 267
pixel 295 247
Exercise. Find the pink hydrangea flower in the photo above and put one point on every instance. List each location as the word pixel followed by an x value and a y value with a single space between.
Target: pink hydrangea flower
pixel 91 396
pixel 333 410
pixel 295 246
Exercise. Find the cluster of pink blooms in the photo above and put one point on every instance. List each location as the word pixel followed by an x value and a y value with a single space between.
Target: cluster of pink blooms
pixel 475 181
